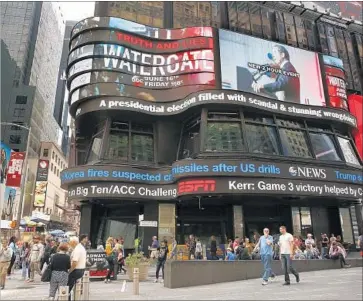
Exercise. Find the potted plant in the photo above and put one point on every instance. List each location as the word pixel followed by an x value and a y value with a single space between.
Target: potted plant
pixel 137 260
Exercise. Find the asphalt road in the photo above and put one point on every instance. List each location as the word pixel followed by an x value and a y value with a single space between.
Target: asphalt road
pixel 342 284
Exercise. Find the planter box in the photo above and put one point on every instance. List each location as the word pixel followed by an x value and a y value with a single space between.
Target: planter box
pixel 143 271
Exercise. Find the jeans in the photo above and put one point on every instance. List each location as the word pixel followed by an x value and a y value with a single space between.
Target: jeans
pixel 13 257
pixel 34 267
pixel 72 278
pixel 287 267
pixel 24 267
pixel 111 268
pixel 159 265
pixel 324 251
pixel 341 259
pixel 266 261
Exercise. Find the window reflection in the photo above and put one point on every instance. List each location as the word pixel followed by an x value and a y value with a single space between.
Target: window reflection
pixel 348 151
pixel 95 149
pixel 324 147
pixel 190 139
pixel 294 143
pixel 224 136
pixel 130 141
pixel 262 139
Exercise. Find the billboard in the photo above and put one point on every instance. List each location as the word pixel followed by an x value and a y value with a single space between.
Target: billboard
pixel 335 82
pixel 5 158
pixel 15 168
pixel 270 69
pixel 152 82
pixel 356 108
pixel 140 29
pixel 41 183
pixel 9 203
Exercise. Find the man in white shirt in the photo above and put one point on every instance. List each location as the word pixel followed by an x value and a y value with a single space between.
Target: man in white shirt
pixel 286 243
pixel 36 254
pixel 78 262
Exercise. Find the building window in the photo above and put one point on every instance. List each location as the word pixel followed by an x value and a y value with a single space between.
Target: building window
pixel 301 220
pixel 45 152
pixel 51 167
pixel 224 134
pixel 21 100
pixel 15 139
pixel 261 135
pixel 53 155
pixel 131 141
pixel 19 113
pixel 348 150
pixel 16 128
pixel 294 140
pixel 190 142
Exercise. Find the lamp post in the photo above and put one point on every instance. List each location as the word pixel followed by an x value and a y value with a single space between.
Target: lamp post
pixel 24 174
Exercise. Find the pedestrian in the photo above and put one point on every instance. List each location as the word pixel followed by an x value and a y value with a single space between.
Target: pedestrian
pixel 162 256
pixel 174 246
pixel 286 243
pixel 100 246
pixel 12 246
pixel 111 258
pixel 78 262
pixel 153 248
pixel 198 250
pixel 324 246
pixel 213 248
pixel 59 265
pixel 360 244
pixel 5 258
pixel 191 246
pixel 24 255
pixel 121 261
pixel 265 245
pixel 48 251
pixel 36 253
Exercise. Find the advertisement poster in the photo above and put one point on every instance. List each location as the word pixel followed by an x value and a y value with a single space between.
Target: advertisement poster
pixel 5 158
pixel 13 177
pixel 43 168
pixel 96 263
pixel 270 69
pixel 356 108
pixel 9 203
pixel 40 193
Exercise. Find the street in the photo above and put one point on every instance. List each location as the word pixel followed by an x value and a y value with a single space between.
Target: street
pixel 342 284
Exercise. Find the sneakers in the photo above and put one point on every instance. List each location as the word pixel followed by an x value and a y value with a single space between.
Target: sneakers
pixel 162 281
pixel 272 278
pixel 286 283
pixel 264 282
pixel 347 266
pixel 156 281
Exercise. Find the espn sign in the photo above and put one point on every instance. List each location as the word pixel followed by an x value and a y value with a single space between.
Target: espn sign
pixel 196 186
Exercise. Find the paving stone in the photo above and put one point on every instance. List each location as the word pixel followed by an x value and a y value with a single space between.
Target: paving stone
pixel 341 284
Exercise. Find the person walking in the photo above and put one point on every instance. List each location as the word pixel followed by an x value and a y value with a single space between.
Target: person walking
pixel 36 253
pixel 78 263
pixel 162 256
pixel 286 243
pixel 5 258
pixel 111 258
pixel 24 255
pixel 213 248
pixel 12 246
pixel 265 245
pixel 59 264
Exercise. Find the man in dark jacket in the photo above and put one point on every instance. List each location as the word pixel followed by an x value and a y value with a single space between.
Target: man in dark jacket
pixel 213 248
pixel 48 251
pixel 287 83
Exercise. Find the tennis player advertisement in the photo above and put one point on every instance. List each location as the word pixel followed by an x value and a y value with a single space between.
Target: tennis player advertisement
pixel 270 69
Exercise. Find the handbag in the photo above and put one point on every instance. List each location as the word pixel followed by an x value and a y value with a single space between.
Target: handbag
pixel 47 273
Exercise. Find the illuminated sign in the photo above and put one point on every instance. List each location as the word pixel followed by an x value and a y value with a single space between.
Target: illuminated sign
pixel 196 186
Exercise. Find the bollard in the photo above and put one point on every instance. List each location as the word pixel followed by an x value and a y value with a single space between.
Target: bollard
pixel 63 293
pixel 123 288
pixel 78 290
pixel 85 286
pixel 136 281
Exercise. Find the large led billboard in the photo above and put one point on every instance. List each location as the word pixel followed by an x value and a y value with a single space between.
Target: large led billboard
pixel 270 69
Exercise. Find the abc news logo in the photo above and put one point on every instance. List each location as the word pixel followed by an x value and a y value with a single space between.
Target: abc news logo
pixel 196 186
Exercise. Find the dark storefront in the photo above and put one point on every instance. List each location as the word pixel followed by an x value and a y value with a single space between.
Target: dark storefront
pixel 179 134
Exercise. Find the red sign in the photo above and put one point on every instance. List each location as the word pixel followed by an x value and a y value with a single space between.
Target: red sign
pixel 334 72
pixel 13 178
pixel 337 91
pixel 356 109
pixel 196 186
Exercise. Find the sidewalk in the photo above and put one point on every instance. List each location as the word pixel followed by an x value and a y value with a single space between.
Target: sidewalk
pixel 319 285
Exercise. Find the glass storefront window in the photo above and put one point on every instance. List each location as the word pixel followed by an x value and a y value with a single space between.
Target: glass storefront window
pixel 306 225
pixel 324 147
pixel 224 136
pixel 296 220
pixel 348 151
pixel 346 224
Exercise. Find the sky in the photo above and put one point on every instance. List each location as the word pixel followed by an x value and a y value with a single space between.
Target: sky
pixel 76 11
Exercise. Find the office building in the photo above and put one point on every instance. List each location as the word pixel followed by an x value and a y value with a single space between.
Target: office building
pixel 179 134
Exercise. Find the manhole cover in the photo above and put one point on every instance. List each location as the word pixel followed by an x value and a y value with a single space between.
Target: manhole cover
pixel 23 287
